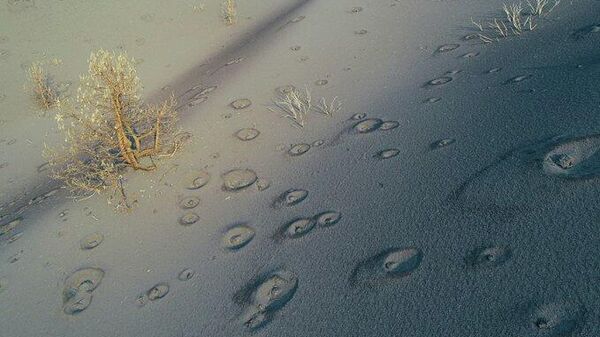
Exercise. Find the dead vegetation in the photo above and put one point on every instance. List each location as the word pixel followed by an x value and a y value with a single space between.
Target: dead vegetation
pixel 41 86
pixel 108 129
pixel 330 108
pixel 514 14
pixel 229 11
pixel 516 20
pixel 541 7
pixel 296 104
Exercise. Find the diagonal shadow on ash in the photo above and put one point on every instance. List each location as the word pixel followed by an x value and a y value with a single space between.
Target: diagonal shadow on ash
pixel 532 151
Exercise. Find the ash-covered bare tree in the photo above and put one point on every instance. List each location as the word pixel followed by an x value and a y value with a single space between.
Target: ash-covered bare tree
pixel 108 129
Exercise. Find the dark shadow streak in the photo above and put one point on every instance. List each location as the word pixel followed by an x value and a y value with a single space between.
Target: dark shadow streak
pixel 235 53
pixel 457 192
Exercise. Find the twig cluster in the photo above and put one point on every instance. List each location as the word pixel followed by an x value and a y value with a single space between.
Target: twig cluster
pixel 229 10
pixel 296 105
pixel 516 20
pixel 328 108
pixel 43 89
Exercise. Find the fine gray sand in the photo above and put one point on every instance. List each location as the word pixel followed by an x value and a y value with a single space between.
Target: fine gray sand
pixel 455 193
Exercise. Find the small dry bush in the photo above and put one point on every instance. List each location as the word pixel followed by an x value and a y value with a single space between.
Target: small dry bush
pixel 330 108
pixel 229 9
pixel 514 15
pixel 295 104
pixel 108 129
pixel 41 86
pixel 541 7
pixel 516 20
